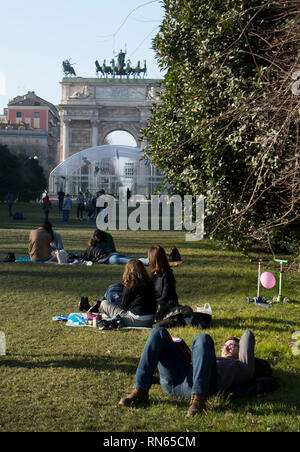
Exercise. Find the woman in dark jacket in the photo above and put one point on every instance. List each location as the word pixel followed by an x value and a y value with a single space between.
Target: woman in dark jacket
pixel 163 280
pixel 138 304
pixel 101 250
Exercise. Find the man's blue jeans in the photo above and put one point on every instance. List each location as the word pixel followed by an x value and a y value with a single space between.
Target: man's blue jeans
pixel 117 258
pixel 177 377
pixel 66 215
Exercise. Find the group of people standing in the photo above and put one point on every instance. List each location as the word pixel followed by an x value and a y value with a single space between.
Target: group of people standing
pixel 84 203
pixel 64 204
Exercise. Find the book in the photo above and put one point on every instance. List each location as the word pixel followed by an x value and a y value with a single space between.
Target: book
pixel 183 348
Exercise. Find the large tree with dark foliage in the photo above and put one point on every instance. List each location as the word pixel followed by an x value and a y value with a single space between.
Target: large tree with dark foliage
pixel 227 124
pixel 9 172
pixel 20 175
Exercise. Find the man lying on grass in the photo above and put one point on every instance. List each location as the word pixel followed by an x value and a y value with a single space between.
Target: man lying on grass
pixel 203 376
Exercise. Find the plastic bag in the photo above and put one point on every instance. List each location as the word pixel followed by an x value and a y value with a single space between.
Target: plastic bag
pixel 62 256
pixel 206 309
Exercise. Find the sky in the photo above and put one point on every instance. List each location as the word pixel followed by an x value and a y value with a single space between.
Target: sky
pixel 36 36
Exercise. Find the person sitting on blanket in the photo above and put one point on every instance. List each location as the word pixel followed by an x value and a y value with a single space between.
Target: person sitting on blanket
pixel 138 304
pixel 56 243
pixel 101 250
pixel 39 244
pixel 203 376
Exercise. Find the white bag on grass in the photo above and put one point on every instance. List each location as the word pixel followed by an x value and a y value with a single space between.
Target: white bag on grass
pixel 62 256
pixel 206 309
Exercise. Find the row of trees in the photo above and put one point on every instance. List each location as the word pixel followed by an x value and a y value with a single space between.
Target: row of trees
pixel 227 125
pixel 20 175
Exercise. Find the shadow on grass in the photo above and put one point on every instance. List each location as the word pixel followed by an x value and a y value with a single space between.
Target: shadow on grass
pixel 253 323
pixel 87 362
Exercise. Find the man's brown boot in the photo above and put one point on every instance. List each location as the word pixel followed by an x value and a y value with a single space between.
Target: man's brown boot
pixel 136 397
pixel 197 404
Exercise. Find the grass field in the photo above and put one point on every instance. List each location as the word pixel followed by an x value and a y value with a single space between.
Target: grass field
pixel 64 379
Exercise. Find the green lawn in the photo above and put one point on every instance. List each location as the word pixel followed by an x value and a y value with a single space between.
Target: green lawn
pixel 59 378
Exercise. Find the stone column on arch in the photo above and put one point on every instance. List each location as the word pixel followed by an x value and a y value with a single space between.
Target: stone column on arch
pixel 66 138
pixel 95 132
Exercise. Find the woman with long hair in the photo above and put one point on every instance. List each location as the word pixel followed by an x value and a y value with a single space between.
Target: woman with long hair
pixel 163 280
pixel 138 304
pixel 56 242
pixel 103 240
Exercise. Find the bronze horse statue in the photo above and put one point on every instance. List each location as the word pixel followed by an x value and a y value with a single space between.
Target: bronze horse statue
pixel 105 70
pixel 120 68
pixel 98 68
pixel 68 68
pixel 138 70
pixel 129 70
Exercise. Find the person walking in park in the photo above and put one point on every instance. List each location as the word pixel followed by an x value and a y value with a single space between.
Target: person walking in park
pixel 80 205
pixel 89 205
pixel 46 206
pixel 61 195
pixel 66 208
pixel 196 380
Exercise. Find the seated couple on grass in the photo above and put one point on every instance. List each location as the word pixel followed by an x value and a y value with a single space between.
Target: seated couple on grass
pixel 142 298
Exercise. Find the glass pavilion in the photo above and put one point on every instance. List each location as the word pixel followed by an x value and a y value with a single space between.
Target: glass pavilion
pixel 107 168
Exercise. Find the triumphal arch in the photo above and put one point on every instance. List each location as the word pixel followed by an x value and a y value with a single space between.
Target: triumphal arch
pixel 91 108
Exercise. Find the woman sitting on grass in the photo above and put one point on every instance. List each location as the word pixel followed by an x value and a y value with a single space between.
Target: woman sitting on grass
pixel 138 304
pixel 42 242
pixel 163 280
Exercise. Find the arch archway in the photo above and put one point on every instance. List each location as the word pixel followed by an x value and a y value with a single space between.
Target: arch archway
pixel 120 138
pixel 91 109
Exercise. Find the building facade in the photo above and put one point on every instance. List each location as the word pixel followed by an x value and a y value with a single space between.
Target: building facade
pixel 91 109
pixel 32 128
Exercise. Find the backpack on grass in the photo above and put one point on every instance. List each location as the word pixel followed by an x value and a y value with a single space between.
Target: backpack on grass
pixel 262 383
pixel 174 255
pixel 10 257
pixel 18 216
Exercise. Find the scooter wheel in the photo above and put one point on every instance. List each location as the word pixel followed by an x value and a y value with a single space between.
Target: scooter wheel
pixel 248 300
pixel 286 300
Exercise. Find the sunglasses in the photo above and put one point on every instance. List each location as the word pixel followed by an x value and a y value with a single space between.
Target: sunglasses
pixel 229 347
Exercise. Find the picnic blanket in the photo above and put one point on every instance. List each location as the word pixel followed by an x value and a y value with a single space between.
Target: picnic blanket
pixel 23 259
pixel 74 262
pixel 81 319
